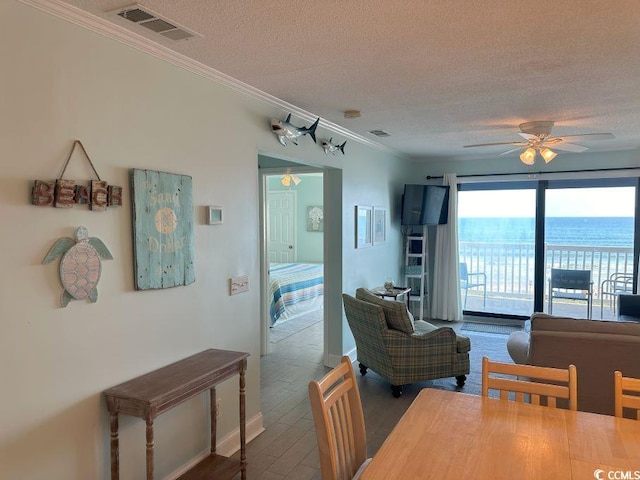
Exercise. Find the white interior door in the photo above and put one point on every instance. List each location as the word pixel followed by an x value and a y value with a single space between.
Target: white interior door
pixel 281 226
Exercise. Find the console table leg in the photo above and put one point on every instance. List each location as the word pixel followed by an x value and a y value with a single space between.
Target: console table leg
pixel 243 439
pixel 149 449
pixel 214 418
pixel 115 453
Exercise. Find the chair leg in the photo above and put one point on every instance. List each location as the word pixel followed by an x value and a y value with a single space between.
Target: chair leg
pixel 363 369
pixel 460 379
pixel 396 390
pixel 464 305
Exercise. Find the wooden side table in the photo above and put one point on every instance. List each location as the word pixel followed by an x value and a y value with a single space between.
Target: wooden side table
pixel 156 392
pixel 395 293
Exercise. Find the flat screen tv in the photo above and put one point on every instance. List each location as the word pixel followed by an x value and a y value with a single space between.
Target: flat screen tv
pixel 425 205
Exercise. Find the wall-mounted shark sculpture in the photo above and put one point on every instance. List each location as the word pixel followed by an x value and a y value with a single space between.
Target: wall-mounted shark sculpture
pixel 330 148
pixel 286 131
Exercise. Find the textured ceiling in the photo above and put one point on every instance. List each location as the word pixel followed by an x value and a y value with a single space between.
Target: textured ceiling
pixel 435 75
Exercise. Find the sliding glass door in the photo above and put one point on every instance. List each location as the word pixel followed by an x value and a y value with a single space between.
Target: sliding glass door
pixel 521 242
pixel 496 235
pixel 588 236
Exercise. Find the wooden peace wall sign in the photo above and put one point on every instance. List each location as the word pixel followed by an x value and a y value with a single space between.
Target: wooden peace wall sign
pixel 63 193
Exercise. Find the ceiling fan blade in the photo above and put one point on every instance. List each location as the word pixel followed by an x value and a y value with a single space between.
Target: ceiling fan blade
pixel 587 137
pixel 512 150
pixel 568 147
pixel 528 136
pixel 521 144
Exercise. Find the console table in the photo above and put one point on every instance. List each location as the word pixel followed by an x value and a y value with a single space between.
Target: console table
pixel 156 392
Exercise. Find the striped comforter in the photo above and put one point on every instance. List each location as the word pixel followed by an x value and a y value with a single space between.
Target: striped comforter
pixel 290 283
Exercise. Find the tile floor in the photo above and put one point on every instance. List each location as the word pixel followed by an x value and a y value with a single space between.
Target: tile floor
pixel 287 449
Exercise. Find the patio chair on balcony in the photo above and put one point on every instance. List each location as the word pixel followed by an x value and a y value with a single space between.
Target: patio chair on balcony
pixel 571 285
pixel 616 284
pixel 472 280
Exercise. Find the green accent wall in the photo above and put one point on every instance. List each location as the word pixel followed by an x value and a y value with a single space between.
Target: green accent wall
pixel 308 193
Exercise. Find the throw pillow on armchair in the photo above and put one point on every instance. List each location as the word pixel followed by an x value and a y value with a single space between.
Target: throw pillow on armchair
pixel 397 315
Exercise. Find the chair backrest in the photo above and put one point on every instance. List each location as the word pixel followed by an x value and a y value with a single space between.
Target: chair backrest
pixel 464 272
pixel 368 324
pixel 339 422
pixel 627 393
pixel 571 279
pixel 563 382
pixel 629 304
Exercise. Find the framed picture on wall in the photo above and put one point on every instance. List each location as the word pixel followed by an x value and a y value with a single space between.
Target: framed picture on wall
pixel 315 219
pixel 364 226
pixel 379 225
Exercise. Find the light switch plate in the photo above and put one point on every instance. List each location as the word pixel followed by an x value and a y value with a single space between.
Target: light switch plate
pixel 239 284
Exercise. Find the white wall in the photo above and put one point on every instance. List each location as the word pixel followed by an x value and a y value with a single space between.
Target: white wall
pixel 60 82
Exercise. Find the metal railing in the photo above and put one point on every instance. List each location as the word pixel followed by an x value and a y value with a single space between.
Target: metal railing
pixel 509 267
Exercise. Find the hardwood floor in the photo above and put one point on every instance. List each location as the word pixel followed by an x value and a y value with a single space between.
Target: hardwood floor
pixel 287 449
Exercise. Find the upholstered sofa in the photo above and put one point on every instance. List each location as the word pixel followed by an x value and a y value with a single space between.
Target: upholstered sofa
pixel 597 348
pixel 400 349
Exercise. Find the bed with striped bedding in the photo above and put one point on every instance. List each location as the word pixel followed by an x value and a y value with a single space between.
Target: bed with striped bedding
pixel 290 283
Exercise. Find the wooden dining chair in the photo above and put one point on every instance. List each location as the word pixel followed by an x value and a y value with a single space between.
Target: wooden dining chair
pixel 624 387
pixel 562 383
pixel 339 423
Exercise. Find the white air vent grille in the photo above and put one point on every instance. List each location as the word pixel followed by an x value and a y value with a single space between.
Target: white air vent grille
pixel 136 15
pixel 379 133
pixel 143 16
pixel 158 25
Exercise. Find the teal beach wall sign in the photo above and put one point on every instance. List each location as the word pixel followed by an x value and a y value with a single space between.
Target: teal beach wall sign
pixel 162 229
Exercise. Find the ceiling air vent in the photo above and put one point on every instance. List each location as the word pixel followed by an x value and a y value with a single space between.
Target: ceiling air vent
pixel 379 133
pixel 143 16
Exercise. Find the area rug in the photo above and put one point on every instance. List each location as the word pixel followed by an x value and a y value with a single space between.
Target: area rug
pixel 489 328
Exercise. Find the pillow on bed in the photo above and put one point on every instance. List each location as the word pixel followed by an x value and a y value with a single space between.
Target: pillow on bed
pixel 396 313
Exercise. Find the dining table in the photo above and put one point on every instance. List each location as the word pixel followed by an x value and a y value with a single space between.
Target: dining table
pixel 452 435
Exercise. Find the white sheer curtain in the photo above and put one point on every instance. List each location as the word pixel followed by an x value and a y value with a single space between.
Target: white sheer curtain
pixel 445 287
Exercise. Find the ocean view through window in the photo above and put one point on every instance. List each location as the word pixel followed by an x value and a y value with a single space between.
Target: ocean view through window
pixel 584 229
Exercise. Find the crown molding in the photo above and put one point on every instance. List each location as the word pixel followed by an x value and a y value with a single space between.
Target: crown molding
pixel 116 32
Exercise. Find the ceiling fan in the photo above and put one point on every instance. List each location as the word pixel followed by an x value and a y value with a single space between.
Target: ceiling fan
pixel 538 140
pixel 289 178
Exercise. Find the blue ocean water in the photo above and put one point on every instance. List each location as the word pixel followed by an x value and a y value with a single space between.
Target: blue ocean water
pixel 578 231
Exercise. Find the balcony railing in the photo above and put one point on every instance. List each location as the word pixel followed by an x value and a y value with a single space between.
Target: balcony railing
pixel 509 267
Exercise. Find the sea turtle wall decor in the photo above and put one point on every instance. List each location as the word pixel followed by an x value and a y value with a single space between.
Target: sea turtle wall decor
pixel 80 266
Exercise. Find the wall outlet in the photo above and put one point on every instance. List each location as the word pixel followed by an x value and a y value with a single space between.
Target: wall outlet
pixel 239 284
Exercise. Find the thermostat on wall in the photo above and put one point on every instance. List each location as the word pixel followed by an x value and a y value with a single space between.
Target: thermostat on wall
pixel 214 216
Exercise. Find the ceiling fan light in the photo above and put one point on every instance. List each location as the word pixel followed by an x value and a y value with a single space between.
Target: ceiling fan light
pixel 287 178
pixel 528 157
pixel 547 154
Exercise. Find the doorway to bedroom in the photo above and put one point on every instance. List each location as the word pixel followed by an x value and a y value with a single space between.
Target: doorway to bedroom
pixel 293 216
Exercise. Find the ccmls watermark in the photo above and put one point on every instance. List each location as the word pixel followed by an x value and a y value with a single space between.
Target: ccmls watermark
pixel 600 474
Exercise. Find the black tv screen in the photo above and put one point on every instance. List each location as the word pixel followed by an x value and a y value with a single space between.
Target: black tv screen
pixel 425 205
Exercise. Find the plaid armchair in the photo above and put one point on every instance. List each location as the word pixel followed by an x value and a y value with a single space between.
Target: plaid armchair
pixel 400 349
